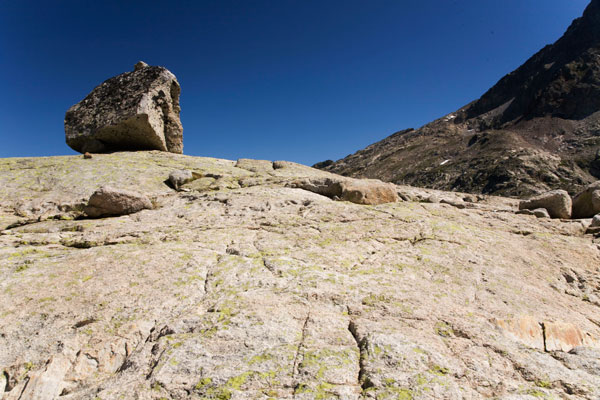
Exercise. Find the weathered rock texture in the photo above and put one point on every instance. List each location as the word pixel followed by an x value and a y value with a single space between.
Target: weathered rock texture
pixel 536 130
pixel 137 110
pixel 246 288
pixel 558 203
pixel 109 201
pixel 180 177
pixel 354 190
pixel 587 203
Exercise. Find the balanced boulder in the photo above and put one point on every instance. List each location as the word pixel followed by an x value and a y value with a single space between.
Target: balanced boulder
pixel 108 201
pixel 357 191
pixel 137 110
pixel 556 202
pixel 587 203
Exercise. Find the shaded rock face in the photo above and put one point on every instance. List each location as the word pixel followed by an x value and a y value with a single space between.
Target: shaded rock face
pixel 240 286
pixel 137 110
pixel 536 130
pixel 556 202
pixel 587 203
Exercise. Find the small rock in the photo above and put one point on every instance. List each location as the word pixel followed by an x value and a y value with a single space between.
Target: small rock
pixel 453 203
pixel 180 177
pixel 108 201
pixel 524 212
pixel 369 192
pixel 587 203
pixel 87 155
pixel 139 65
pixel 281 164
pixel 541 213
pixel 254 165
pixel 557 202
pixel 432 199
pixel 404 196
pixel 594 228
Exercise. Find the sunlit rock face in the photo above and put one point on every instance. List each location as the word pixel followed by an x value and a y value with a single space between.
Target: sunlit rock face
pixel 137 110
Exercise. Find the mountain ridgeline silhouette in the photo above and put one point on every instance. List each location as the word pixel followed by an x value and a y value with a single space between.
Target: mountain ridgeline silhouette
pixel 537 129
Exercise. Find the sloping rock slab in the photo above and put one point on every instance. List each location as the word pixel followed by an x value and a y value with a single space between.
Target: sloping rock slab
pixel 547 336
pixel 560 336
pixel 108 201
pixel 137 110
pixel 524 329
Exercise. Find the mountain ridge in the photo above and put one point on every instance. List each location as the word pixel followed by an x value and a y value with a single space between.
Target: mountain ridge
pixel 537 129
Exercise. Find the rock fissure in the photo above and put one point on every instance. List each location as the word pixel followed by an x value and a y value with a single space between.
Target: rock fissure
pixel 362 346
pixel 25 384
pixel 155 363
pixel 543 326
pixel 300 346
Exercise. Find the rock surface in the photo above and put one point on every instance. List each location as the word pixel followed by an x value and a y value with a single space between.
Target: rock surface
pixel 180 177
pixel 353 190
pixel 537 212
pixel 557 202
pixel 587 203
pixel 108 201
pixel 536 130
pixel 244 287
pixel 137 110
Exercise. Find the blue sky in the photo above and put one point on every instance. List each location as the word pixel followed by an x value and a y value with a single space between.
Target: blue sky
pixel 296 80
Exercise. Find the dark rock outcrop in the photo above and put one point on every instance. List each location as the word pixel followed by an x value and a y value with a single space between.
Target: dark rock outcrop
pixel 137 110
pixel 536 130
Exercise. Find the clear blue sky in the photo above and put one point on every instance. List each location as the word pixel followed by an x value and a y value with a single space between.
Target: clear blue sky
pixel 297 80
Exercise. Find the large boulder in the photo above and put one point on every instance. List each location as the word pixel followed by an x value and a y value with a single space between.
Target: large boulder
pixel 137 110
pixel 556 202
pixel 357 191
pixel 587 203
pixel 108 201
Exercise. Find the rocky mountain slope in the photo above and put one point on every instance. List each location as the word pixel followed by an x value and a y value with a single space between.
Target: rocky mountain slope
pixel 537 129
pixel 242 285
